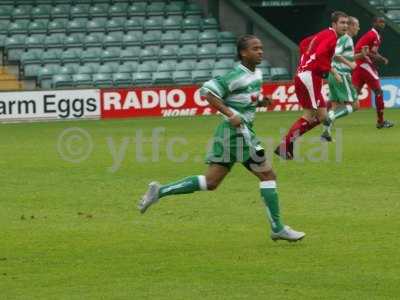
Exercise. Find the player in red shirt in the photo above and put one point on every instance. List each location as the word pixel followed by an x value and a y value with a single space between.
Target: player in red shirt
pixel 315 64
pixel 366 71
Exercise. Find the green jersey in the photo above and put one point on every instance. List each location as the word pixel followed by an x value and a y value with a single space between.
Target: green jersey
pixel 239 89
pixel 345 48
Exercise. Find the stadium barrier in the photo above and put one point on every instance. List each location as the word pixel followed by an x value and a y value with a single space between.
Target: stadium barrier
pixel 150 101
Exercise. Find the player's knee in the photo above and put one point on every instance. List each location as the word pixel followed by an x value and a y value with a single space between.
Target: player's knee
pixel 356 106
pixel 378 92
pixel 268 175
pixel 212 184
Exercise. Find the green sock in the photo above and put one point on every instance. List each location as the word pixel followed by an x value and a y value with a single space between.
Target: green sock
pixel 343 111
pixel 270 197
pixel 184 186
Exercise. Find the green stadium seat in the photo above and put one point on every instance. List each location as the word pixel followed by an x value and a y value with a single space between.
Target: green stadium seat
pixel 45 75
pixel 118 9
pixel 94 40
pixel 142 79
pixel 137 9
pixel 57 26
pixel 61 81
pixel 209 23
pixel 191 23
pixel 2 40
pixel 6 11
pixel 55 40
pixel 172 23
pixel 87 69
pixel 14 47
pixel 71 55
pixel 161 78
pixel 208 37
pixel 193 9
pixel 113 39
pixel 79 10
pixel 131 39
pixel 110 55
pixel 169 52
pixel 148 53
pixel 280 74
pixel 156 9
pixel 152 38
pixel 146 67
pixel 189 37
pixel 187 51
pixel 35 41
pixel 38 26
pixel 175 8
pixel 226 37
pixel 170 38
pixel 264 63
pixel 102 80
pixel 219 72
pixel 224 64
pixel 165 67
pixel 31 57
pixel 51 55
pixel 74 40
pixel 68 69
pixel 182 77
pixel 22 12
pixel 391 4
pixel 377 3
pixel 130 54
pixel 394 15
pixel 134 24
pixel 99 10
pixel 116 24
pixel 41 11
pixel 205 64
pixel 154 23
pixel 128 67
pixel 186 65
pixel 18 26
pixel 113 65
pixel 96 25
pixel 82 80
pixel 77 25
pixel 266 71
pixel 4 24
pixel 91 55
pixel 207 51
pixel 60 11
pixel 228 51
pixel 122 79
pixel 200 76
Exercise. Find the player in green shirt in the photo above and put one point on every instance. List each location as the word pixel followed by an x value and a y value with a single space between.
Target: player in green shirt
pixel 342 94
pixel 235 95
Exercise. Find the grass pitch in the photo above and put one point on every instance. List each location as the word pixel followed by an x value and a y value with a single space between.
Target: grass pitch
pixel 70 229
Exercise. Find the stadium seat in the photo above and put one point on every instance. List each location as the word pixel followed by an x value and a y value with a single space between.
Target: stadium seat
pixel 4 26
pixel 110 55
pixel 279 74
pixel 228 51
pixel 130 54
pixel 152 38
pixel 207 51
pixel 175 8
pixel 148 53
pixel 146 67
pixel 137 9
pixel 87 69
pixel 102 80
pixel 377 3
pixel 118 9
pixel 189 37
pixel 391 4
pixel 96 25
pixel 161 78
pixel 115 24
pixel 31 57
pixel 55 40
pixel 35 41
pixel 224 64
pixel 193 9
pixel 99 10
pixel 93 40
pixel 264 63
pixel 71 55
pixel 182 77
pixel 200 76
pixel 82 80
pixel 142 79
pixel 61 81
pixel 122 79
pixel 45 75
pixel 172 23
pixel 226 37
pixel 266 71
pixel 79 10
pixel 22 12
pixel 134 24
pixel 394 15
pixel 187 51
pixel 38 26
pixel 113 39
pixel 128 67
pixel 6 11
pixel 77 25
pixel 205 64
pixel 131 39
pixel 170 38
pixel 165 67
pixel 66 69
pixel 191 23
pixel 187 65
pixel 57 26
pixel 220 72
pixel 74 40
pixel 155 9
pixel 209 23
pixel 18 26
pixel 91 55
pixel 154 23
pixel 41 11
pixel 208 37
pixel 168 52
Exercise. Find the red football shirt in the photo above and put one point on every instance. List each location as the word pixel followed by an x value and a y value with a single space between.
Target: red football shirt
pixel 321 50
pixel 373 40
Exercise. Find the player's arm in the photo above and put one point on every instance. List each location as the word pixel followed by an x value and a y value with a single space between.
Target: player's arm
pixel 378 58
pixel 216 103
pixel 345 61
pixel 364 52
pixel 335 73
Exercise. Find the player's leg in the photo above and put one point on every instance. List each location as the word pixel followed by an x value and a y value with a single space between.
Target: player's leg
pixel 380 106
pixel 210 181
pixel 308 91
pixel 269 195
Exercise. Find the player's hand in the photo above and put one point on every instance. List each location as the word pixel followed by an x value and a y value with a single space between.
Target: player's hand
pixel 353 65
pixel 365 51
pixel 385 60
pixel 266 101
pixel 235 120
pixel 338 78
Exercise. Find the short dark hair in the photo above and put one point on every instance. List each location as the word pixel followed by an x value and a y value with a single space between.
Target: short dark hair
pixel 376 18
pixel 242 43
pixel 336 15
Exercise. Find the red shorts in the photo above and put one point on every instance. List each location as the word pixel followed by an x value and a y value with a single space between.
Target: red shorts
pixel 365 74
pixel 308 90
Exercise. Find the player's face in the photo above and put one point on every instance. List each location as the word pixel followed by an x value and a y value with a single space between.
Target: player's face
pixel 341 25
pixel 354 28
pixel 254 52
pixel 380 24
